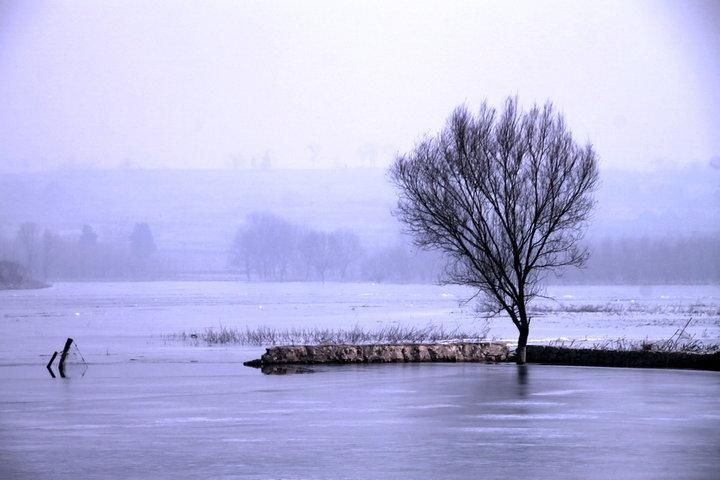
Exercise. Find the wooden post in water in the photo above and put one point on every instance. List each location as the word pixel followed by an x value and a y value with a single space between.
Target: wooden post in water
pixel 52 359
pixel 63 356
pixel 49 364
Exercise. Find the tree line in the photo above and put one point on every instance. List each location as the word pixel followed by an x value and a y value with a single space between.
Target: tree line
pixel 270 248
pixel 45 253
pixel 677 259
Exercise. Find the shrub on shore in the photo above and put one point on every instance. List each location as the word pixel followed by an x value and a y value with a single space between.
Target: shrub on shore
pixel 14 277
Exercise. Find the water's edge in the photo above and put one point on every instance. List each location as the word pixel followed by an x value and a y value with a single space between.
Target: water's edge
pixel 622 358
pixel 478 352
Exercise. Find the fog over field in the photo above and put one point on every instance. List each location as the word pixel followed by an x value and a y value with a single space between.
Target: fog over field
pixel 663 221
pixel 184 127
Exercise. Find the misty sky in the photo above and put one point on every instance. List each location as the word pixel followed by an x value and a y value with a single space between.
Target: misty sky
pixel 217 84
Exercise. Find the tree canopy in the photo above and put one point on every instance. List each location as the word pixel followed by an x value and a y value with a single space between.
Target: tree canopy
pixel 507 195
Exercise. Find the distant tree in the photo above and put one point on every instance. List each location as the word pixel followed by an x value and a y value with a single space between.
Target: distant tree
pixel 13 275
pixel 344 249
pixel 506 195
pixel 88 238
pixel 51 247
pixel 241 252
pixel 265 246
pixel 87 255
pixel 316 249
pixel 27 242
pixel 329 253
pixel 401 263
pixel 142 242
pixel 393 264
pixel 4 247
pixel 268 247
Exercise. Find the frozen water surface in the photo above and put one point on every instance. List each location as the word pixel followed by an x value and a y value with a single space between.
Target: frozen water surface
pixel 125 319
pixel 148 408
pixel 223 420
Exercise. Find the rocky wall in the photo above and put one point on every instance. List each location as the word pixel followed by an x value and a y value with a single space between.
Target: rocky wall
pixel 341 354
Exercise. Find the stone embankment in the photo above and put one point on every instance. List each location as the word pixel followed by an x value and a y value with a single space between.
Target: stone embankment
pixel 622 358
pixel 343 354
pixel 291 358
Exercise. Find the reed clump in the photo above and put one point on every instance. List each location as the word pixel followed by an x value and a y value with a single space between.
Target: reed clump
pixel 357 335
pixel 680 341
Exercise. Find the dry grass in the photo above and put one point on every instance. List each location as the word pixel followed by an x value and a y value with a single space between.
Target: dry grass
pixel 680 341
pixel 624 308
pixel 266 336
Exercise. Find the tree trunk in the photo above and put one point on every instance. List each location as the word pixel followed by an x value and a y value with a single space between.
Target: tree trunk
pixel 522 344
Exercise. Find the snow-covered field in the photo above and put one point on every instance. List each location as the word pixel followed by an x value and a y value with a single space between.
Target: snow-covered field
pixel 122 320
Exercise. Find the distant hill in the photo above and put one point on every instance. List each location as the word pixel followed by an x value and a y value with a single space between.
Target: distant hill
pixel 196 212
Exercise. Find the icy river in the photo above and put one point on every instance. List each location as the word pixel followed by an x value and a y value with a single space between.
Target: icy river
pixel 147 407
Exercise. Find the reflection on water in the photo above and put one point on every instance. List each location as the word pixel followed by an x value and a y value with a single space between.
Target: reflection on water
pixel 285 369
pixel 159 420
pixel 522 378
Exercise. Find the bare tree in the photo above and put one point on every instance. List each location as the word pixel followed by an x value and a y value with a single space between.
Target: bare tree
pixel 345 249
pixel 317 252
pixel 329 253
pixel 507 195
pixel 265 245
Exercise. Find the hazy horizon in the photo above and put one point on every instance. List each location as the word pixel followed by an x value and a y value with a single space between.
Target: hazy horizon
pixel 111 111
